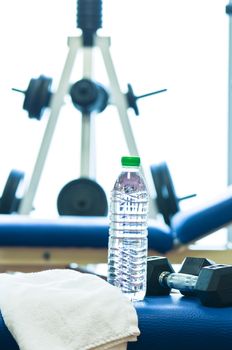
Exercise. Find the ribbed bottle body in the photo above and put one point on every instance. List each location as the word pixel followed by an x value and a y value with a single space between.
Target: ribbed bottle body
pixel 127 250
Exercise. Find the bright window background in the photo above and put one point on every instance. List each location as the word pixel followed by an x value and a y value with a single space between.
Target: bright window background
pixel 179 45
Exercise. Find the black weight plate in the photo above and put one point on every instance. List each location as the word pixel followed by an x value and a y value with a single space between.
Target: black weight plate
pixel 131 99
pixel 167 201
pixel 84 94
pixel 29 94
pixel 88 96
pixel 8 200
pixel 37 96
pixel 82 197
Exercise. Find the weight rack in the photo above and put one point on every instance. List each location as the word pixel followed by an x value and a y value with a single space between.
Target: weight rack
pixel 89 20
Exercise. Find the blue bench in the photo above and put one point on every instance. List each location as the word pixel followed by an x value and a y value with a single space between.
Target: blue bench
pixel 92 232
pixel 169 322
pixel 165 322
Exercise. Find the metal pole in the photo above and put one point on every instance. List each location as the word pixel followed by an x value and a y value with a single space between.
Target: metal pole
pixel 87 166
pixel 56 104
pixel 229 138
pixel 120 102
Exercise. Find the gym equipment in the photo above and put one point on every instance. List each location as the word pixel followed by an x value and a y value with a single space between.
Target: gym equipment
pixel 9 203
pixel 93 232
pixel 213 285
pixel 83 93
pixel 132 99
pixel 37 96
pixel 166 198
pixel 158 316
pixel 193 266
pixel 86 95
pixel 186 227
pixel 167 322
pixel 228 10
pixel 82 197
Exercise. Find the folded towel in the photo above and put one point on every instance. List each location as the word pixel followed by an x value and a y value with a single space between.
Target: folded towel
pixel 66 310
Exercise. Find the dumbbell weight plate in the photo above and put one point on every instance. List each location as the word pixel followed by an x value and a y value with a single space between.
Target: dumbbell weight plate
pixel 214 285
pixel 155 266
pixel 167 201
pixel 193 266
pixel 83 197
pixel 8 201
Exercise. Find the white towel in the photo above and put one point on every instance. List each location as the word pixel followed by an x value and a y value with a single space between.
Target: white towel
pixel 66 310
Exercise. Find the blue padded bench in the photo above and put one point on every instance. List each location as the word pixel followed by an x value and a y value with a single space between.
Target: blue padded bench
pixel 170 322
pixel 165 322
pixel 186 226
pixel 92 232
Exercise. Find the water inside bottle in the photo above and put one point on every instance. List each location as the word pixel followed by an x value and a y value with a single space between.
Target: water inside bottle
pixel 127 258
pixel 127 265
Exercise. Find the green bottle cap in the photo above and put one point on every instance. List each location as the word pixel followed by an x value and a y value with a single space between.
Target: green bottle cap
pixel 130 161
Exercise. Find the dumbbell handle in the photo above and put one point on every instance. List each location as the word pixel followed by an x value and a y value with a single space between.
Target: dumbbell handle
pixel 180 281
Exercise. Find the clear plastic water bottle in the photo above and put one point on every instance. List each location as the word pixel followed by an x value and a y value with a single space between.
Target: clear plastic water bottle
pixel 127 249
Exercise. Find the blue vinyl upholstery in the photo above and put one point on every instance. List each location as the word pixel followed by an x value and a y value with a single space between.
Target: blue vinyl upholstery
pixel 204 219
pixel 92 232
pixel 170 322
pixel 165 322
pixel 88 232
pixel 182 323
